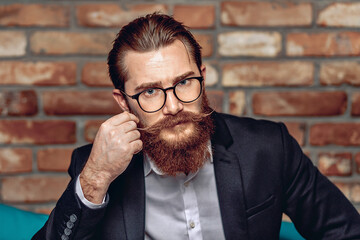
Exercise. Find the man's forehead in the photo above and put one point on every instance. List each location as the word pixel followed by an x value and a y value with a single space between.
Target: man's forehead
pixel 162 64
pixel 177 45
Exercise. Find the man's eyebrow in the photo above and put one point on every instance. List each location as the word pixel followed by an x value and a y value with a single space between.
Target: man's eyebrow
pixel 148 85
pixel 182 76
pixel 159 84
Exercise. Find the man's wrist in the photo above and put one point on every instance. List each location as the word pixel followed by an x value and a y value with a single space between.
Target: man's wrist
pixel 94 186
pixel 85 200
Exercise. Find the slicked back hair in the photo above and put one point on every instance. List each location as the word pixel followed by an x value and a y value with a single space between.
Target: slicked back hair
pixel 146 34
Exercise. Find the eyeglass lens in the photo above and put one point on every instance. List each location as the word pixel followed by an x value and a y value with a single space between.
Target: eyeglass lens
pixel 186 91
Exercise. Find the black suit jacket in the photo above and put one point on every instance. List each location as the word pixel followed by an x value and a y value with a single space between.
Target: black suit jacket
pixel 260 173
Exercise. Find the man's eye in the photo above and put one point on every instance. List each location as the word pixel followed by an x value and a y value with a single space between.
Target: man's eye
pixel 184 82
pixel 150 92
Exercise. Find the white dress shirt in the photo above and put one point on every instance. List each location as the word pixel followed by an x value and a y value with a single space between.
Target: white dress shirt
pixel 182 207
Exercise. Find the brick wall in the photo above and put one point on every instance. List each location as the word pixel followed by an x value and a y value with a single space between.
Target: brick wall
pixel 296 62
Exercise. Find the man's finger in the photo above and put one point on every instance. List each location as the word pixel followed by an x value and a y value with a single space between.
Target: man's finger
pixel 128 126
pixel 121 118
pixel 137 146
pixel 133 135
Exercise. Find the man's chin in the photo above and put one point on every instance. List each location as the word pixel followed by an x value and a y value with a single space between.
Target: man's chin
pixel 179 132
pixel 179 144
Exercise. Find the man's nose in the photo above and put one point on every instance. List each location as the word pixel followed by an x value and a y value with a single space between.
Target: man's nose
pixel 172 104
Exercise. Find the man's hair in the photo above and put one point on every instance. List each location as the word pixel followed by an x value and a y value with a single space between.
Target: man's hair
pixel 145 34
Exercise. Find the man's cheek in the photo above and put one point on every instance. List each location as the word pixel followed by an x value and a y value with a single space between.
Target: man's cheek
pixel 142 122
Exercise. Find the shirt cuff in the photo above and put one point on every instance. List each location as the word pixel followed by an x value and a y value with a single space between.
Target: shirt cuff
pixel 86 202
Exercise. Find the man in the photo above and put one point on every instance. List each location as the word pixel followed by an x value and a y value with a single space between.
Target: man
pixel 168 167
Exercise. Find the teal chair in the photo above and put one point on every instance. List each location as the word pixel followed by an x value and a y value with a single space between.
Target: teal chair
pixel 16 224
pixel 289 232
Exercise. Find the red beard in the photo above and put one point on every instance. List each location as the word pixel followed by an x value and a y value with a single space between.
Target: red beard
pixel 187 149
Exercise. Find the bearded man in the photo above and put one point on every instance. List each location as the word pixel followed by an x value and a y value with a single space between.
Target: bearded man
pixel 169 167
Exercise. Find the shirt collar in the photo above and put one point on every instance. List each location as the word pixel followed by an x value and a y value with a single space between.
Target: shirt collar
pixel 150 166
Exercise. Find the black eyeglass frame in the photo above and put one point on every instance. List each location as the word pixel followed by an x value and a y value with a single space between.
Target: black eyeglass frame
pixel 137 95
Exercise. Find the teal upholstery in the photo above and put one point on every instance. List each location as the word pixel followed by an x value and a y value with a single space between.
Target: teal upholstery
pixel 289 232
pixel 16 224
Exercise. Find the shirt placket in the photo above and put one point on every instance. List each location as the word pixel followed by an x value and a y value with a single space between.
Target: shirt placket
pixel 191 209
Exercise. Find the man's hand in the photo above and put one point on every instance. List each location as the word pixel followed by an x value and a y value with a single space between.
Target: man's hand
pixel 115 144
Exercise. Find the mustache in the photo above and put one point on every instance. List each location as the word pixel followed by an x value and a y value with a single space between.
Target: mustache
pixel 172 121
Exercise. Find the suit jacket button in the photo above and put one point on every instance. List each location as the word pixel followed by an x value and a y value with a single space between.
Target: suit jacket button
pixel 67 231
pixel 73 218
pixel 64 237
pixel 70 224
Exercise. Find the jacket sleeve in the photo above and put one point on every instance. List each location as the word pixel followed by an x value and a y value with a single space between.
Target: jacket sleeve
pixel 71 219
pixel 315 205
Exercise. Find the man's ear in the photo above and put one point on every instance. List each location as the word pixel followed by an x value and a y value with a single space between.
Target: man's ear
pixel 203 72
pixel 120 99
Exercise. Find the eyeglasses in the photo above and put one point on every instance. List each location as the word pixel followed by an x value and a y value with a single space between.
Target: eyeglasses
pixel 153 99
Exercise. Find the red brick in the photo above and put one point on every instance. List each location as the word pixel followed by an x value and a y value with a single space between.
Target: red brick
pixel 195 16
pixel 45 209
pixel 266 14
pixel 340 15
pixel 300 103
pixel 37 132
pixel 33 189
pixel 335 164
pixel 345 188
pixel 237 103
pixel 285 218
pixel 61 43
pixel 355 193
pixel 54 159
pixel 18 103
pixel 206 42
pixel 91 128
pixel 343 134
pixel 216 99
pixel 323 44
pixel 297 130
pixel 79 103
pixel 112 15
pixel 27 15
pixel 15 160
pixel 95 74
pixel 212 76
pixel 292 73
pixel 39 73
pixel 256 44
pixel 12 44
pixel 355 104
pixel 307 153
pixel 337 73
pixel 357 161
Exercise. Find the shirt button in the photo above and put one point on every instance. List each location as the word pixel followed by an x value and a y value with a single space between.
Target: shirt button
pixel 186 184
pixel 192 225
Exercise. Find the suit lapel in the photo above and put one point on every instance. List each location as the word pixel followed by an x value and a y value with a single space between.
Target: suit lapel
pixel 229 183
pixel 134 200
